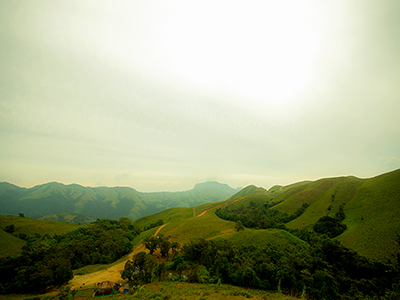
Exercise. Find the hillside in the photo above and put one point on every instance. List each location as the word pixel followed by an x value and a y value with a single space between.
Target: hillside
pixel 371 207
pixel 11 243
pixel 271 257
pixel 102 202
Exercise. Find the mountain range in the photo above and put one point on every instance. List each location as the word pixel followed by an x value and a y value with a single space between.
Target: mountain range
pixel 49 200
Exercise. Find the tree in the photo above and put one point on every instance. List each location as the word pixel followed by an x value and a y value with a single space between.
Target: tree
pixel 150 243
pixel 164 247
pixel 21 215
pixel 174 248
pixel 141 269
pixel 10 228
pixel 239 226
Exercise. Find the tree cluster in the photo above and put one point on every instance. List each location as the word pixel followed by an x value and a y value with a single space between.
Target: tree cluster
pixel 153 225
pixel 258 215
pixel 332 227
pixel 159 242
pixel 49 260
pixel 324 269
pixel 143 268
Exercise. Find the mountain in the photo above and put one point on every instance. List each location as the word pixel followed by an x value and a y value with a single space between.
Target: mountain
pixel 102 202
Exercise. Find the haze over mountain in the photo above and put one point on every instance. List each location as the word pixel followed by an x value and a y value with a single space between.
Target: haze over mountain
pixel 103 202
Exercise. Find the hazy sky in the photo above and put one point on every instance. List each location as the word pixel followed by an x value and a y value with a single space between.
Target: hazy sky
pixel 160 95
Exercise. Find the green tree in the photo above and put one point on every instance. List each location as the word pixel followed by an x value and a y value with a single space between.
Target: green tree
pixel 174 248
pixel 239 226
pixel 10 228
pixel 141 269
pixel 151 243
pixel 164 247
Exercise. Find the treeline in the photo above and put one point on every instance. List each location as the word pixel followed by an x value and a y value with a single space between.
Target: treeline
pixel 49 260
pixel 154 224
pixel 320 269
pixel 259 215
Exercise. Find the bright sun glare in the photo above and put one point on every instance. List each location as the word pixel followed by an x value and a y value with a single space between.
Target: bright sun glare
pixel 264 51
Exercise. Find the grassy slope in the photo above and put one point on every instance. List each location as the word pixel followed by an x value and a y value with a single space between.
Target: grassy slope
pixel 264 237
pixel 372 208
pixel 373 217
pixel 182 226
pixel 10 244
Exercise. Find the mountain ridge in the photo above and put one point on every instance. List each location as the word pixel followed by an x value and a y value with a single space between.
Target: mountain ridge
pixel 103 202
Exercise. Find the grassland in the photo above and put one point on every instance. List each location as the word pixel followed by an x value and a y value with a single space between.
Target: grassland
pixel 10 244
pixel 264 237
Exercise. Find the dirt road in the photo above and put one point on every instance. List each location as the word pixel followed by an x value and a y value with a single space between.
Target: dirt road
pixel 217 206
pixel 112 273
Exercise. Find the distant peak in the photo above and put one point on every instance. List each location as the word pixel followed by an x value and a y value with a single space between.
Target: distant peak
pixel 210 184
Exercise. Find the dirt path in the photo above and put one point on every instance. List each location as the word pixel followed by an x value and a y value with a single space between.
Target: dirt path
pixel 112 273
pixel 217 206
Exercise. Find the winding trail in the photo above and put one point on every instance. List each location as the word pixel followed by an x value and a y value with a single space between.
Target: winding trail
pixel 217 206
pixel 112 273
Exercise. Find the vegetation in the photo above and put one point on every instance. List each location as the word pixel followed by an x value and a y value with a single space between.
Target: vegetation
pixel 55 199
pixel 153 225
pixel 332 227
pixel 283 241
pixel 24 228
pixel 48 260
pixel 323 270
pixel 258 215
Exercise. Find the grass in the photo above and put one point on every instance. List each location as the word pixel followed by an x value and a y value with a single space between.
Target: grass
pixel 373 218
pixel 371 206
pixel 264 237
pixel 206 226
pixel 189 291
pixel 10 244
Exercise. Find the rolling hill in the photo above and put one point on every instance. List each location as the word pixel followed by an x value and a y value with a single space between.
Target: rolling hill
pixel 371 207
pixel 102 202
pixel 12 243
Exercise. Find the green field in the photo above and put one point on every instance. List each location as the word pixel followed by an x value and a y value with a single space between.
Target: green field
pixel 11 244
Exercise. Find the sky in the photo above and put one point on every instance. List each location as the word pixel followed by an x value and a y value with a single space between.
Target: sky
pixel 161 95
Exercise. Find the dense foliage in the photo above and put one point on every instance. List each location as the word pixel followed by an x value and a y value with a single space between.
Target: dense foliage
pixel 258 215
pixel 47 261
pixel 323 270
pixel 159 242
pixel 332 227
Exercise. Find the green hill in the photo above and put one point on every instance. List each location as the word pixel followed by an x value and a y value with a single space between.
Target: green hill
pixel 102 202
pixel 11 243
pixel 371 206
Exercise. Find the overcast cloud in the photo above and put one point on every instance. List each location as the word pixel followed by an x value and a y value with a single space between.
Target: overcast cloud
pixel 161 95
